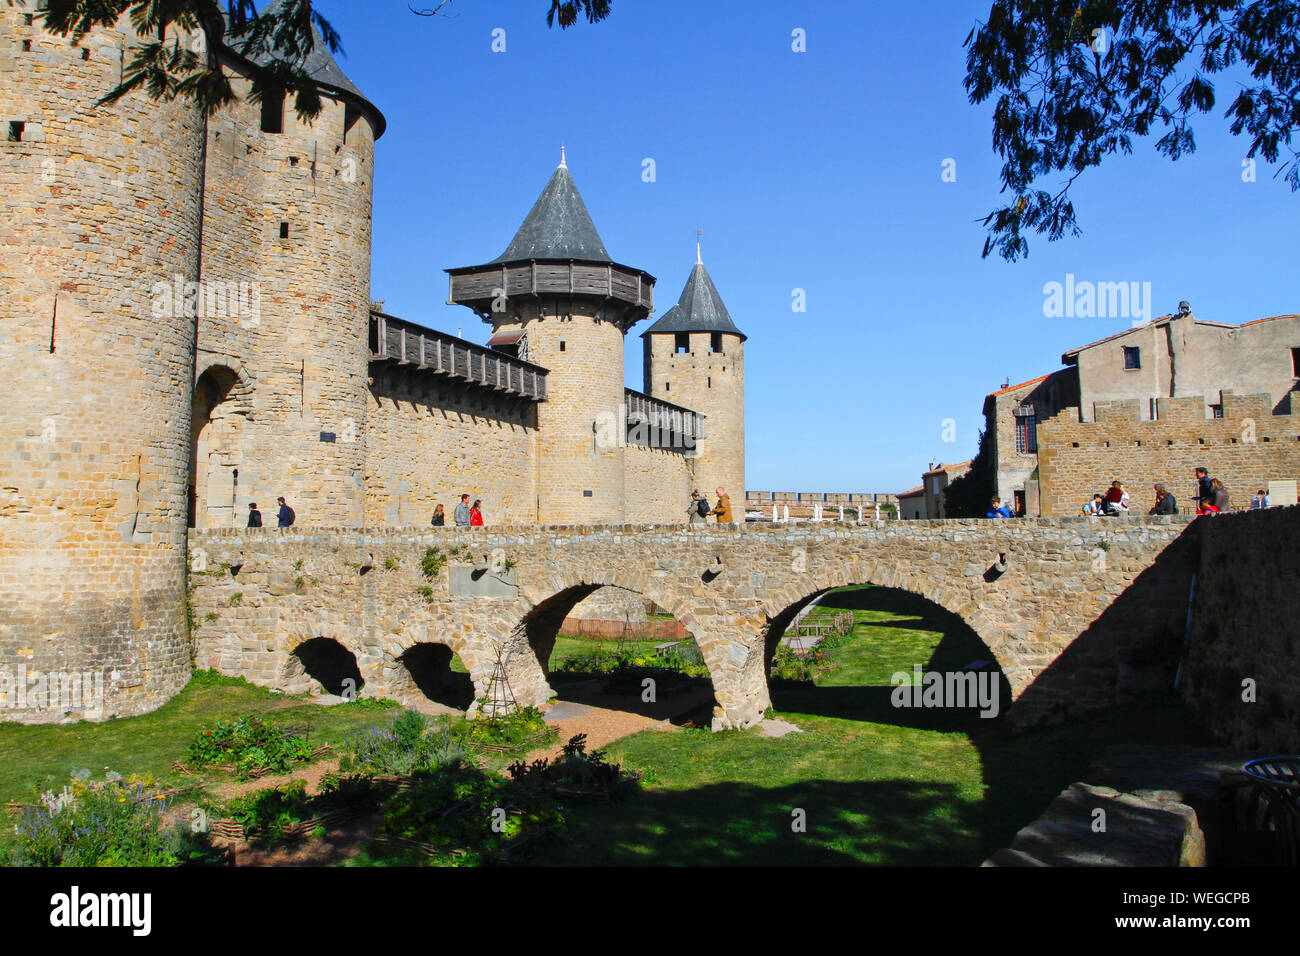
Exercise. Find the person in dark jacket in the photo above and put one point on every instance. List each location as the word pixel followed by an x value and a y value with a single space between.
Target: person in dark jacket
pixel 1165 503
pixel 286 516
pixel 254 516
pixel 1204 493
pixel 439 517
pixel 1219 496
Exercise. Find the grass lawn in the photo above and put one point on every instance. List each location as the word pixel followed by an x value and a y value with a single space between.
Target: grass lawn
pixel 152 742
pixel 878 785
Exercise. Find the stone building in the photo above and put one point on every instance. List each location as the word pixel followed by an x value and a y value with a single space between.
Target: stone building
pixel 1154 374
pixel 934 481
pixel 187 326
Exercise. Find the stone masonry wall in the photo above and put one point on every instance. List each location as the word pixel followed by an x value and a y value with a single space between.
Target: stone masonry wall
pixel 1243 627
pixel 657 485
pixel 432 440
pixel 94 424
pixel 1244 449
pixel 1085 612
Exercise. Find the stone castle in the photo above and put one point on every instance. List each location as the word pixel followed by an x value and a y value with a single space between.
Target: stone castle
pixel 188 329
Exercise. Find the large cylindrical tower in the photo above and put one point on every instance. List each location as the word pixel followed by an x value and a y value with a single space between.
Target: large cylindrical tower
pixel 281 378
pixel 695 356
pixel 556 298
pixel 102 205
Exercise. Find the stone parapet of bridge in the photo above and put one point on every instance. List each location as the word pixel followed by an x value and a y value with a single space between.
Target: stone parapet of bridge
pixel 1077 612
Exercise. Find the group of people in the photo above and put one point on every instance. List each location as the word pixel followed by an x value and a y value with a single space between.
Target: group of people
pixel 1211 498
pixel 284 517
pixel 466 515
pixel 698 510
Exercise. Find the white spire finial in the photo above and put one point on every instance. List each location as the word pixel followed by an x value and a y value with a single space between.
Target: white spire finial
pixel 698 260
pixel 563 163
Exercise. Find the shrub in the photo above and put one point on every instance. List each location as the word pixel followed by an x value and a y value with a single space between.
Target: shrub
pixel 522 727
pixel 250 743
pixel 410 742
pixel 105 824
pixel 574 772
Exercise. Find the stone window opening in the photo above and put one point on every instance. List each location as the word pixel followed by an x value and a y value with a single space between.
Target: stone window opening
pixel 561 345
pixel 27 19
pixel 284 230
pixel 273 111
pixel 682 343
pixel 1295 362
pixel 16 129
pixel 1132 357
pixel 27 46
pixel 715 343
pixel 85 53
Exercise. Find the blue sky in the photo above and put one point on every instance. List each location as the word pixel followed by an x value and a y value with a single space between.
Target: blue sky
pixel 818 170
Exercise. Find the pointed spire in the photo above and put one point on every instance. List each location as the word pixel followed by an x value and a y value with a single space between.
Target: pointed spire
pixel 558 226
pixel 700 308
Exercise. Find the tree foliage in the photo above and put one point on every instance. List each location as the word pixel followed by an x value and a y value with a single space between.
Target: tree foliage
pixel 1078 81
pixel 969 495
pixel 274 43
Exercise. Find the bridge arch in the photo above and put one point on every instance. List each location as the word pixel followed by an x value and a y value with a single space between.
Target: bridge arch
pixel 784 603
pixel 325 663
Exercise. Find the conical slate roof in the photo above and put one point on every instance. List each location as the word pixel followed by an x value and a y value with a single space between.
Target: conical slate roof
pixel 557 227
pixel 321 66
pixel 700 309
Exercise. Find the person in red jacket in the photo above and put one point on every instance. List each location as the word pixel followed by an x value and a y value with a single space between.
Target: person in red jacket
pixel 475 515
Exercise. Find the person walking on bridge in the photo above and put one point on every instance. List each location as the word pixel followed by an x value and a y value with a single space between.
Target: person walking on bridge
pixel 697 510
pixel 461 514
pixel 723 509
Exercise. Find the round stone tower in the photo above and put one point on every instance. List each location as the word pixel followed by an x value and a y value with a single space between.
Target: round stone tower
pixel 283 347
pixel 695 356
pixel 557 299
pixel 102 205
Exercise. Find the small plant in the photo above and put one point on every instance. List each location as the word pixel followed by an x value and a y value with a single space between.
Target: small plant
pixel 237 599
pixel 390 564
pixel 210 616
pixel 575 772
pixel 523 727
pixel 432 562
pixel 298 583
pixel 509 564
pixel 297 565
pixel 426 592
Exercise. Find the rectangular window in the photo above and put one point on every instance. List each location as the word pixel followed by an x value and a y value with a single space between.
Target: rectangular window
pixel 1216 411
pixel 715 343
pixel 682 342
pixel 1295 362
pixel 273 112
pixel 1132 357
pixel 16 131
pixel 1026 435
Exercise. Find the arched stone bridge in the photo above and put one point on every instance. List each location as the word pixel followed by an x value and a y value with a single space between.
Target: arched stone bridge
pixel 1076 611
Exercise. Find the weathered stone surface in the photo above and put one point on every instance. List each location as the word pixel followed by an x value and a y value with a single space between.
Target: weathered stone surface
pixel 1056 647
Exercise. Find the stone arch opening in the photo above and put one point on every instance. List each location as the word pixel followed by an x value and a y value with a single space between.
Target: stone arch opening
pixel 905 660
pixel 217 418
pixel 324 664
pixel 599 644
pixel 432 673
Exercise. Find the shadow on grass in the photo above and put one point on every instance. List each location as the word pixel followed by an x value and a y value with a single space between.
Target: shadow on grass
pixel 888 823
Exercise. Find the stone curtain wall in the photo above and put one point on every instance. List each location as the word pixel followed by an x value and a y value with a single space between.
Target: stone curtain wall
pixel 94 423
pixel 431 440
pixel 1244 627
pixel 1244 449
pixel 1086 610
pixel 658 485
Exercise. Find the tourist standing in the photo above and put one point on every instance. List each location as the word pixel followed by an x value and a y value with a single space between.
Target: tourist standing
pixel 285 517
pixel 723 509
pixel 697 510
pixel 461 515
pixel 475 514
pixel 1260 501
pixel 254 516
pixel 439 517
pixel 998 510
pixel 1204 493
